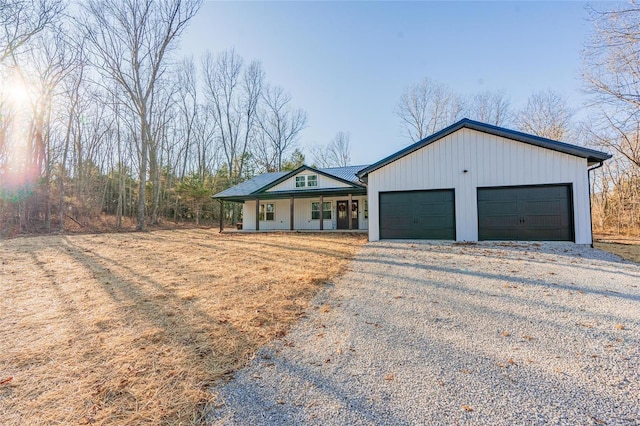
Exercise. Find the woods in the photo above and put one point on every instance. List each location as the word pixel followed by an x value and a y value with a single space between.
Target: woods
pixel 101 120
pixel 104 124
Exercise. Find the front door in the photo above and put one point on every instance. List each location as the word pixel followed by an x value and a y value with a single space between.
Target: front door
pixel 344 212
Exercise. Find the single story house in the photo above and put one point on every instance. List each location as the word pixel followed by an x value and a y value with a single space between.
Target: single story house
pixel 468 182
pixel 304 199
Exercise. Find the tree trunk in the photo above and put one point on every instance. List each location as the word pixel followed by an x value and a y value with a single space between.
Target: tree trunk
pixel 155 183
pixel 142 175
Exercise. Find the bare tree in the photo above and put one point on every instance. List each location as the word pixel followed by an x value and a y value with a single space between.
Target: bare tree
pixel 233 97
pixel 54 60
pixel 187 101
pixel 280 123
pixel 490 107
pixel 233 101
pixel 99 121
pixel 319 156
pixel 72 94
pixel 20 20
pixel 547 115
pixel 336 153
pixel 612 76
pixel 131 40
pixel 428 106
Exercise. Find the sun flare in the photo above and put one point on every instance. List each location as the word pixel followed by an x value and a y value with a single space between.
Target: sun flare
pixel 16 91
pixel 19 171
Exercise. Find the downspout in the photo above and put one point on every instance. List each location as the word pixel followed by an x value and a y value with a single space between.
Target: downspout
pixel 600 164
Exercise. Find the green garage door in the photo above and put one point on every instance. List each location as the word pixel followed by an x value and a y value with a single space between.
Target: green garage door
pixel 428 215
pixel 525 213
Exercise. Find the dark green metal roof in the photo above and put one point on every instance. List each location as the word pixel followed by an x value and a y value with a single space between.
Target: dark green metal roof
pixel 591 155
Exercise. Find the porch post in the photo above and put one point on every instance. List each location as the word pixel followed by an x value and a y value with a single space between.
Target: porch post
pixel 291 213
pixel 321 213
pixel 258 214
pixel 221 215
pixel 350 212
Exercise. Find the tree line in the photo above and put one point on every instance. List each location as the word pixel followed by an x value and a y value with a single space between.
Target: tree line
pixel 98 115
pixel 100 118
pixel 611 118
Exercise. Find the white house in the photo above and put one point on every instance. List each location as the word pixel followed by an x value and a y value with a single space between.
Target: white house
pixel 471 181
pixel 297 200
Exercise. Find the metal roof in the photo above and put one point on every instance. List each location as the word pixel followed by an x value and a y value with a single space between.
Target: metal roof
pixel 257 183
pixel 249 186
pixel 591 155
pixel 346 173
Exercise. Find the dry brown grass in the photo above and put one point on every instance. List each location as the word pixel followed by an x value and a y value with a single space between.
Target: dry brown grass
pixel 626 247
pixel 133 328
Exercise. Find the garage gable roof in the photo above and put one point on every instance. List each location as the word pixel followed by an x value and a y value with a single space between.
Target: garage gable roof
pixel 591 155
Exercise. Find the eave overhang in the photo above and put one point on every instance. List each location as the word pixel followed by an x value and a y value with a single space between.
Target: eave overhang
pixel 591 155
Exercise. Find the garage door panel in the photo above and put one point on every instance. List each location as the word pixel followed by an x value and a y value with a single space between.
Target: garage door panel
pixel 527 213
pixel 432 209
pixel 417 215
pixel 435 221
pixel 497 208
pixel 506 222
pixel 544 206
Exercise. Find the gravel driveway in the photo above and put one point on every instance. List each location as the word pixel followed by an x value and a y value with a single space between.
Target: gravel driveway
pixel 445 333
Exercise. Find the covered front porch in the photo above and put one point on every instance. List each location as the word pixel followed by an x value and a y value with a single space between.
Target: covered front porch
pixel 323 211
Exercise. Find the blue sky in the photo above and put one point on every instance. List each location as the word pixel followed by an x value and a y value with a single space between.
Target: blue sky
pixel 346 63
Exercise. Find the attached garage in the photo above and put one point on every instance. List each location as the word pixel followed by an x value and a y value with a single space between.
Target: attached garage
pixel 418 215
pixel 525 213
pixel 501 185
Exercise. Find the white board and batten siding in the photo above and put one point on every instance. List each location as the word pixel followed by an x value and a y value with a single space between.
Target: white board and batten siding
pixel 490 161
pixel 302 214
pixel 324 182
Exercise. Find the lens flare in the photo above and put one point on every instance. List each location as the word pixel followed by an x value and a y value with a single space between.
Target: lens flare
pixel 17 176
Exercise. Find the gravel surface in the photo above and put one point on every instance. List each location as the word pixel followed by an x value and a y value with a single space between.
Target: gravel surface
pixel 446 333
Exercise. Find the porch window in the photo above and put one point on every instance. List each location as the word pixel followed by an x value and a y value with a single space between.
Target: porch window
pixel 300 181
pixel 267 212
pixel 312 180
pixel 366 209
pixel 315 210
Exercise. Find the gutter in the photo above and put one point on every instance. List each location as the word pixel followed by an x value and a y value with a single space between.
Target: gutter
pixel 600 164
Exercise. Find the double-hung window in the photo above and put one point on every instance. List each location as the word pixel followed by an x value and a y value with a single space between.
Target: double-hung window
pixel 268 212
pixel 306 180
pixel 315 210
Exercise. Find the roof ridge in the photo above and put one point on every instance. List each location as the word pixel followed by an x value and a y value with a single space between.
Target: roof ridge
pixel 516 135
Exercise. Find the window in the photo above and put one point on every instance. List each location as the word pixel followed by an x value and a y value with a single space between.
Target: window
pixel 267 212
pixel 306 180
pixel 315 210
pixel 366 209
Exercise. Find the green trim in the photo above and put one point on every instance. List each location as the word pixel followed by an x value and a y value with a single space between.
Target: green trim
pixel 300 169
pixel 337 192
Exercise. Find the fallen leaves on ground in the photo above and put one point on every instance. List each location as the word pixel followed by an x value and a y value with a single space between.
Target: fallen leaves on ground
pixel 133 328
